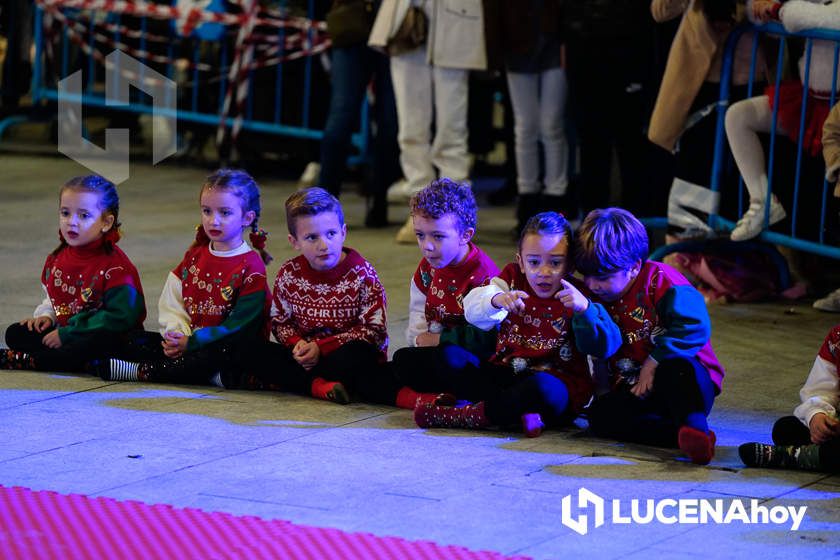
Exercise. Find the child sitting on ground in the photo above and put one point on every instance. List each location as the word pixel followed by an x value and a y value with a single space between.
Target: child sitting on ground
pixel 665 375
pixel 93 291
pixel 214 303
pixel 537 375
pixel 444 215
pixel 328 310
pixel 810 439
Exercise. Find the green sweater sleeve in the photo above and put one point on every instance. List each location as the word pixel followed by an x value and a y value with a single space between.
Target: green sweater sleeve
pixel 479 342
pixel 595 332
pixel 245 314
pixel 684 317
pixel 122 307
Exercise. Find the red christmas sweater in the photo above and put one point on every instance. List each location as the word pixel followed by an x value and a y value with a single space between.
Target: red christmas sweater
pixel 440 292
pixel 542 335
pixel 91 290
pixel 331 307
pixel 219 294
pixel 663 316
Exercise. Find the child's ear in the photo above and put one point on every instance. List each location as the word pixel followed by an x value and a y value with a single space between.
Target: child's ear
pixel 293 242
pixel 248 218
pixel 467 235
pixel 109 222
pixel 519 263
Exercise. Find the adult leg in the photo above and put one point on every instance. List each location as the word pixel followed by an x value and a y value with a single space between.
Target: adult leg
pixel 385 166
pixel 412 80
pixel 552 109
pixel 349 79
pixel 449 148
pixel 524 98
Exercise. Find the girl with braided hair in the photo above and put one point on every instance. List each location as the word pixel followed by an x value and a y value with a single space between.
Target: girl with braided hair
pixel 214 303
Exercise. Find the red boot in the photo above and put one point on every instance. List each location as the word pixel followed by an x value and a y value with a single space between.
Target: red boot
pixel 410 399
pixel 532 424
pixel 699 446
pixel 470 416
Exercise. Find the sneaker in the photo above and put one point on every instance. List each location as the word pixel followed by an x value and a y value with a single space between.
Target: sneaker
pixel 309 177
pixel 831 302
pixel 752 222
pixel 406 235
pixel 398 193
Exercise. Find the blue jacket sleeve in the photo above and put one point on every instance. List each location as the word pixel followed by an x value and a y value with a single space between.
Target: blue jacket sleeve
pixel 683 315
pixel 595 332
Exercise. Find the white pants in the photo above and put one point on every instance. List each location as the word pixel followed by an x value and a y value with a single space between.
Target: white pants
pixel 427 94
pixel 539 104
pixel 744 120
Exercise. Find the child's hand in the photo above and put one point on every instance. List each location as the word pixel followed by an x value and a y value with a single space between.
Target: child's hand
pixel 644 385
pixel 427 339
pixel 823 427
pixel 572 298
pixel 51 340
pixel 306 354
pixel 512 301
pixel 175 344
pixel 38 324
pixel 764 10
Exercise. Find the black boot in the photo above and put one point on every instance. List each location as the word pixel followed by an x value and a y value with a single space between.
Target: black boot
pixel 527 205
pixel 563 204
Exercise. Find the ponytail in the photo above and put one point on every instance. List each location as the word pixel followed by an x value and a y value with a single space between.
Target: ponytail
pixel 258 237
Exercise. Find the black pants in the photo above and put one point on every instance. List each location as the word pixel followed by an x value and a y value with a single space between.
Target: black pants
pixel 788 430
pixel 506 396
pixel 356 365
pixel 680 387
pixel 193 368
pixel 71 357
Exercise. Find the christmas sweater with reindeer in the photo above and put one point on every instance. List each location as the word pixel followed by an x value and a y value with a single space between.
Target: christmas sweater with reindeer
pixel 331 307
pixel 91 290
pixel 212 294
pixel 437 297
pixel 663 316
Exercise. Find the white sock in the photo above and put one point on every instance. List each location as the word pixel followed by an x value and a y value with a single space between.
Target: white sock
pixel 124 371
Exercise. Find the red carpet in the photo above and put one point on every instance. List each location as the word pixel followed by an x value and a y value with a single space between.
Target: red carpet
pixel 38 524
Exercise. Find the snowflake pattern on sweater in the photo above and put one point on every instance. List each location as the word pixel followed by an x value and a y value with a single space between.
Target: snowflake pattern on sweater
pixel 331 307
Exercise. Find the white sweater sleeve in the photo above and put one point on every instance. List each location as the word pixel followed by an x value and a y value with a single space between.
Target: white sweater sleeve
pixel 416 314
pixel 45 307
pixel 172 316
pixel 797 15
pixel 478 307
pixel 821 392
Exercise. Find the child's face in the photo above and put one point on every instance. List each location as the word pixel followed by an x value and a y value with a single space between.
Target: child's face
pixel 543 260
pixel 612 287
pixel 440 240
pixel 80 219
pixel 223 219
pixel 320 239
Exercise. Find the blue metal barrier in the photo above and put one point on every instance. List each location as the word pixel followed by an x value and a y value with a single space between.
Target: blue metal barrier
pixel 62 49
pixel 791 238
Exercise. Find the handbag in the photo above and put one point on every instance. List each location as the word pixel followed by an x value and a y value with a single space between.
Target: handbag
pixel 411 34
pixel 349 22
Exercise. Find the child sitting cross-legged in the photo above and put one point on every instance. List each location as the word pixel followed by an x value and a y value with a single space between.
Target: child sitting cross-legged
pixel 665 375
pixel 539 373
pixel 328 310
pixel 810 439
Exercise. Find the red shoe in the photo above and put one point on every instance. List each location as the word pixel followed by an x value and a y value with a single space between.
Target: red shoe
pixel 410 399
pixel 532 424
pixel 699 446
pixel 332 391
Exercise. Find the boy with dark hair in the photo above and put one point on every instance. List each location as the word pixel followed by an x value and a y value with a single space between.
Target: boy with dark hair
pixel 665 375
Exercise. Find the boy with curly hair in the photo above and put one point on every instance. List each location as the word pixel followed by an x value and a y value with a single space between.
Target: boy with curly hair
pixel 444 215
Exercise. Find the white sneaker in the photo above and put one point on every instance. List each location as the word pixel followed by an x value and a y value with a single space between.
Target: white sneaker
pixel 752 222
pixel 309 177
pixel 398 192
pixel 831 302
